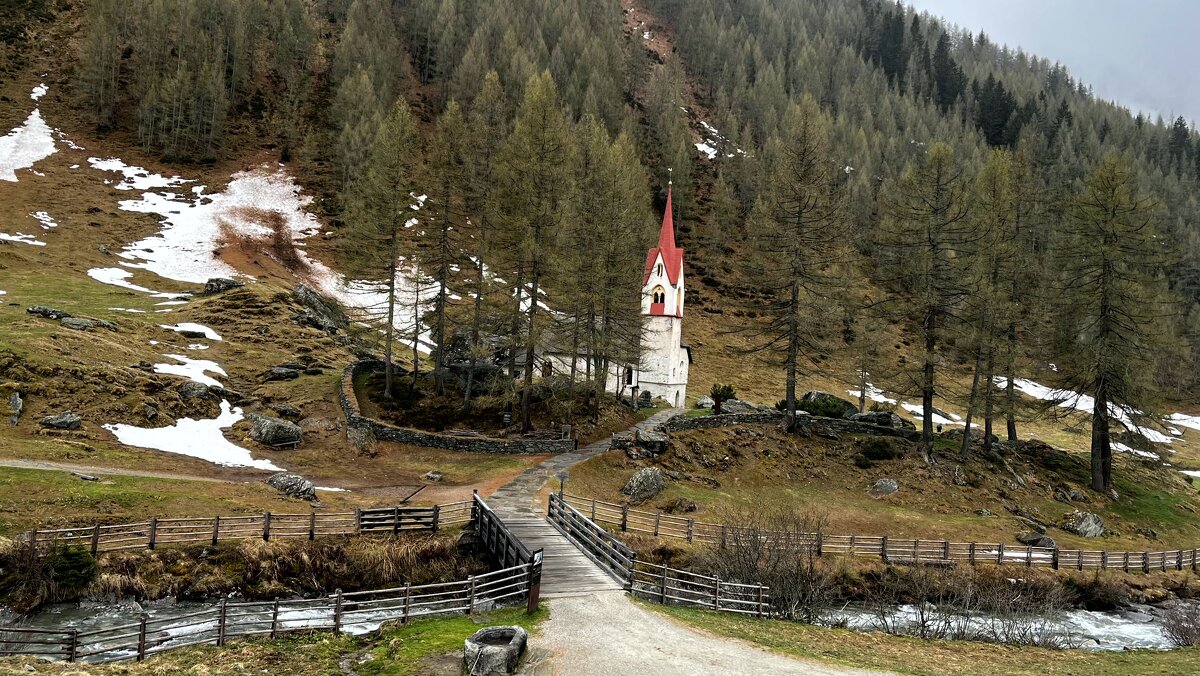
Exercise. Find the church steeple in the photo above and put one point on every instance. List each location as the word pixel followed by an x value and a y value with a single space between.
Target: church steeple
pixel 671 255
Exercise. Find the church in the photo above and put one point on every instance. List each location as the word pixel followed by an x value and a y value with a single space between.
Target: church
pixel 663 367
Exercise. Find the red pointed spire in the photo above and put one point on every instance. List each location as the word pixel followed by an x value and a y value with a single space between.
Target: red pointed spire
pixel 672 256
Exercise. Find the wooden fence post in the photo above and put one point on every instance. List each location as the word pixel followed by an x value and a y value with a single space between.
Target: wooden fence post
pixel 723 536
pixel 853 541
pixel 357 520
pixel 917 551
pixel 691 526
pixel 946 550
pixel 407 602
pixel 153 532
pixel 629 573
pixel 662 592
pixel 593 509
pixel 1000 554
pixel 1028 556
pixel 141 647
pixel 216 530
pixel 657 522
pixel 73 646
pixel 437 517
pixel 337 612
pixel 266 526
pixel 95 539
pixel 1125 562
pixel 221 617
pixel 471 599
pixel 33 540
pixel 971 554
pixel 820 543
pixel 395 519
pixel 275 619
pixel 883 548
pixel 535 583
pixel 312 526
pixel 1103 559
pixel 625 518
pixel 1054 559
pixel 717 594
pixel 760 602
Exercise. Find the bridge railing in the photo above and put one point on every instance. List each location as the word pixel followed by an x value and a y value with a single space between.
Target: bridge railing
pixel 506 547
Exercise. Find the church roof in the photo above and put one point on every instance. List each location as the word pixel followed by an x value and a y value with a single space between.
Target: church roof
pixel 672 255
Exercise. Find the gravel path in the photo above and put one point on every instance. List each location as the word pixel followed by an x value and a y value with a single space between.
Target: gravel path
pixel 609 635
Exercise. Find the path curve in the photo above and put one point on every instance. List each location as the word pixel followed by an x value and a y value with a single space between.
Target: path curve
pixel 518 495
pixel 609 635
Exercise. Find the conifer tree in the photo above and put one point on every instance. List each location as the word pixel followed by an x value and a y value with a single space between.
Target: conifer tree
pixel 1111 293
pixel 381 206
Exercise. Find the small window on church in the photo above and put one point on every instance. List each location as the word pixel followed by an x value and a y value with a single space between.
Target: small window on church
pixel 658 296
pixel 660 269
pixel 628 376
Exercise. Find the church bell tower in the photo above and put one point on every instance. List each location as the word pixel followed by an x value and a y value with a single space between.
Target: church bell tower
pixel 665 357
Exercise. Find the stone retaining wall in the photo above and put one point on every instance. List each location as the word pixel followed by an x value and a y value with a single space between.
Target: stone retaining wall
pixel 680 423
pixel 404 435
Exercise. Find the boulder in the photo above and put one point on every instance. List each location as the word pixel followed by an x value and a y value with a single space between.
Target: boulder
pixel 274 432
pixel 48 312
pixel 193 390
pixel 1036 539
pixel 737 406
pixel 827 403
pixel 1084 524
pixel 62 421
pixel 319 312
pixel 293 485
pixel 645 483
pixel 17 405
pixel 884 419
pixel 221 284
pixel 705 402
pixel 433 476
pixel 77 323
pixel 1149 533
pixel 278 373
pixel 651 443
pixel 286 410
pixel 680 506
pixel 1075 495
pixel 884 487
pixel 225 393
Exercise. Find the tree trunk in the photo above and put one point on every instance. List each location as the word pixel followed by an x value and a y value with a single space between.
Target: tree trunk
pixel 793 350
pixel 965 451
pixel 416 336
pixel 1101 446
pixel 476 320
pixel 439 352
pixel 862 387
pixel 574 371
pixel 926 445
pixel 988 399
pixel 530 348
pixel 1010 391
pixel 390 330
pixel 515 332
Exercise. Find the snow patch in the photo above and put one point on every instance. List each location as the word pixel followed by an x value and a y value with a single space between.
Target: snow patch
pixel 45 219
pixel 192 369
pixel 38 91
pixel 24 146
pixel 194 438
pixel 120 277
pixel 189 326
pixel 22 238
pixel 136 178
pixel 874 394
pixel 916 410
pixel 707 150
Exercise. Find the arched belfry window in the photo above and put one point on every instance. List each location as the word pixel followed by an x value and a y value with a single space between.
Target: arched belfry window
pixel 658 296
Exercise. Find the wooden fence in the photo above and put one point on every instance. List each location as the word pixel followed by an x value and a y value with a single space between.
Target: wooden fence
pixel 267 526
pixel 355 612
pixel 892 550
pixel 662 584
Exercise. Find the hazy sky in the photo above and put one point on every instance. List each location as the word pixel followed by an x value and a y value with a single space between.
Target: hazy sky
pixel 1145 55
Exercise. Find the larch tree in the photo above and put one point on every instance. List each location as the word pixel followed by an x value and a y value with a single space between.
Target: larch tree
pixel 532 167
pixel 1112 303
pixel 794 242
pixel 925 236
pixel 381 205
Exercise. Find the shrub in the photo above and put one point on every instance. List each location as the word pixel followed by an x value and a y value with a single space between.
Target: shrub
pixel 29 578
pixel 863 462
pixel 1100 592
pixel 882 407
pixel 1181 624
pixel 879 448
pixel 824 408
pixel 720 394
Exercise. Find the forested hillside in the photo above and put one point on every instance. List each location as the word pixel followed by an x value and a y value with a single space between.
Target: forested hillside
pixel 848 175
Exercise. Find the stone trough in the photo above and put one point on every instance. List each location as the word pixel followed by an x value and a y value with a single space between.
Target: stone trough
pixel 494 651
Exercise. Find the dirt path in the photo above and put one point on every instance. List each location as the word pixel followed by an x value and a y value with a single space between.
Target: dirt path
pixel 609 635
pixel 98 471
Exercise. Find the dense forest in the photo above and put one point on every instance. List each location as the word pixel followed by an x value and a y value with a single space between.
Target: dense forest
pixel 873 168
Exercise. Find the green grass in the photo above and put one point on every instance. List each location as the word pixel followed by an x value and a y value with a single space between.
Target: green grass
pixel 907 655
pixel 698 412
pixel 396 650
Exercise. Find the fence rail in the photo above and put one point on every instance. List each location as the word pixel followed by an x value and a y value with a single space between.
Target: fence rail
pixel 893 550
pixel 267 526
pixel 354 612
pixel 661 584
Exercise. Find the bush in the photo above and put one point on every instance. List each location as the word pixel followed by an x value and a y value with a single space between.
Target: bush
pixel 720 394
pixel 879 448
pixel 882 407
pixel 863 462
pixel 1181 624
pixel 29 578
pixel 824 408
pixel 1100 592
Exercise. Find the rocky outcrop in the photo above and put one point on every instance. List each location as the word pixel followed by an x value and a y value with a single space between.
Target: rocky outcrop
pixel 318 311
pixel 62 421
pixel 645 483
pixel 16 405
pixel 194 390
pixel 274 432
pixel 433 476
pixel 824 401
pixel 1083 524
pixel 48 312
pixel 883 419
pixel 293 485
pixel 884 487
pixel 221 284
pixel 705 402
pixel 651 443
pixel 278 373
pixel 1036 539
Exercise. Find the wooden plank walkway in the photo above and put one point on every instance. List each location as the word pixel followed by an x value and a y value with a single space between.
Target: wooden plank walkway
pixel 566 571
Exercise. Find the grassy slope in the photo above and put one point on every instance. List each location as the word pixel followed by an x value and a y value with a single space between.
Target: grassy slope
pixel 820 475
pixel 397 650
pixel 915 656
